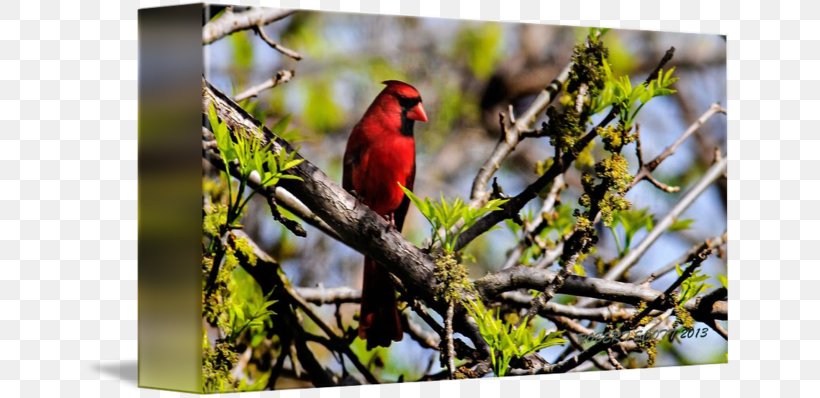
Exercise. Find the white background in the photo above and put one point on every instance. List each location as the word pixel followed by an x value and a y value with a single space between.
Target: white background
pixel 68 183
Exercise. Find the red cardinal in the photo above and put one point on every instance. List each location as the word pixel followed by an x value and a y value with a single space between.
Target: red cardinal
pixel 380 155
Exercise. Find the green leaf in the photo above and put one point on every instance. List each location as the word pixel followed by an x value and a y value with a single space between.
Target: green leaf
pixel 506 341
pixel 420 204
pixel 692 286
pixel 632 221
pixel 443 214
pixel 681 224
pixel 238 313
pixel 223 138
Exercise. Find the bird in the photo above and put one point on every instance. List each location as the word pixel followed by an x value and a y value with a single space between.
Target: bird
pixel 381 154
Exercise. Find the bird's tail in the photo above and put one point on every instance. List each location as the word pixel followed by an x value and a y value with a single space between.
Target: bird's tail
pixel 379 322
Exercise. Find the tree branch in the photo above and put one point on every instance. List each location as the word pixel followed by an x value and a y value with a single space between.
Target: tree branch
pixel 265 272
pixel 521 277
pixel 354 223
pixel 662 300
pixel 713 243
pixel 281 196
pixel 538 224
pixel 282 76
pixel 342 295
pixel 334 295
pixel 559 166
pixel 260 30
pixel 231 22
pixel 417 333
pixel 337 343
pixel 632 257
pixel 512 135
pixel 645 169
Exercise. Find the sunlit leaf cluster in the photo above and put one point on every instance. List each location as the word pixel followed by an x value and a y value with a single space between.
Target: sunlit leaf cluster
pixel 233 303
pixel 251 157
pixel 692 286
pixel 618 91
pixel 506 341
pixel 450 219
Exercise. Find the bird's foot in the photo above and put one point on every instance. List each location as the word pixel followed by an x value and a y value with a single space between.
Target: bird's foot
pixel 391 223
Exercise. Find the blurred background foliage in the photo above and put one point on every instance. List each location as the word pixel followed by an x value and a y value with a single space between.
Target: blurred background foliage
pixel 467 72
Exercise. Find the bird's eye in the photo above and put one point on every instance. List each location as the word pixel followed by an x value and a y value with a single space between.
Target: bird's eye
pixel 408 103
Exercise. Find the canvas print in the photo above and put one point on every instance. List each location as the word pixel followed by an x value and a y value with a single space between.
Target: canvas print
pixel 392 199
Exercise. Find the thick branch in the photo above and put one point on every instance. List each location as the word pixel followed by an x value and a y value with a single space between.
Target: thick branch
pixel 354 223
pixel 586 287
pixel 530 278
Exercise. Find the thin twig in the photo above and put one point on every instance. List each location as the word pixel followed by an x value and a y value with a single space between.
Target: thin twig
pixel 282 76
pixel 645 169
pixel 569 324
pixel 552 288
pixel 417 333
pixel 667 56
pixel 421 310
pixel 283 197
pixel 612 360
pixel 338 342
pixel 260 30
pixel 334 295
pixel 537 225
pixel 576 343
pixel 231 22
pixel 343 295
pixel 450 350
pixel 559 166
pixel 287 200
pixel 292 225
pixel 634 254
pixel 660 301
pixel 713 243
pixel 511 136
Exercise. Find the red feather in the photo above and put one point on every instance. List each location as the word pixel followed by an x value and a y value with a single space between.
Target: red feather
pixel 380 155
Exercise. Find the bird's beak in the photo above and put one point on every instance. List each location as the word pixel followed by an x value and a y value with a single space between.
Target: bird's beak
pixel 417 113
